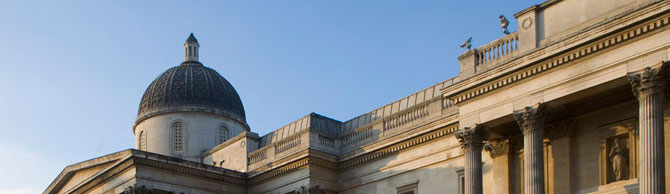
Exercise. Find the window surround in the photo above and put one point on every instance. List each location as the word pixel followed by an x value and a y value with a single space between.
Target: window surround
pixel 461 180
pixel 411 188
pixel 222 133
pixel 173 139
pixel 143 140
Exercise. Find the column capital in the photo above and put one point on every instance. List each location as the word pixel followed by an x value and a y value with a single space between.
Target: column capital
pixel 530 118
pixel 471 137
pixel 649 80
pixel 497 147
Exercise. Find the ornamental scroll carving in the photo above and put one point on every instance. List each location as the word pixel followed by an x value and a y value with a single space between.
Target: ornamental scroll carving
pixel 136 190
pixel 530 118
pixel 650 80
pixel 497 147
pixel 310 190
pixel 471 137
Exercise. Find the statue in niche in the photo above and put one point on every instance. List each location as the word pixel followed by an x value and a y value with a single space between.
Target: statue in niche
pixel 618 157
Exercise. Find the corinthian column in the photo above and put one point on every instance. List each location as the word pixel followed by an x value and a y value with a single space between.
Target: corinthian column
pixel 531 122
pixel 472 141
pixel 648 85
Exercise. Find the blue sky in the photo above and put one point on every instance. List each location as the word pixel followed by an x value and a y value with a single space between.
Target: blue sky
pixel 72 72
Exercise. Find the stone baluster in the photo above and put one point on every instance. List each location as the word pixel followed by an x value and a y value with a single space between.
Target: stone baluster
pixel 472 142
pixel 531 122
pixel 648 85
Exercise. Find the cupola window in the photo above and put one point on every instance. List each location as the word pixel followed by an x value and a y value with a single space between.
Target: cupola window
pixel 143 141
pixel 223 134
pixel 178 130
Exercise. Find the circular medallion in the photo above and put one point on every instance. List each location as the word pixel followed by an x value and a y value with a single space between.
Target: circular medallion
pixel 527 23
pixel 242 143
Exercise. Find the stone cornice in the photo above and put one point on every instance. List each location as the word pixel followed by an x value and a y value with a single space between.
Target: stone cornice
pixel 244 134
pixel 175 168
pixel 70 170
pixel 397 147
pixel 580 50
pixel 196 109
pixel 307 159
pixel 102 176
pixel 302 163
pixel 156 161
pixel 381 120
pixel 442 121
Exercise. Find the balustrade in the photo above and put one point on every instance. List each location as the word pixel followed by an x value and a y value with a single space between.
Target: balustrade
pixel 406 117
pixel 498 49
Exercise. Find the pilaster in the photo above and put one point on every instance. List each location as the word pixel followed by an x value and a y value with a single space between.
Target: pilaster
pixel 500 153
pixel 560 133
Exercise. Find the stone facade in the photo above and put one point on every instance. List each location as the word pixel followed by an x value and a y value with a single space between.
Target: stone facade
pixel 574 101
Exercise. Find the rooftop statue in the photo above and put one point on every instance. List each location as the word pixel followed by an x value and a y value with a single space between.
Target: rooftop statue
pixel 466 44
pixel 504 23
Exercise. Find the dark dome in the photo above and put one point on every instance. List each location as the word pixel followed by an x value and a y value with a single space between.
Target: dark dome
pixel 191 87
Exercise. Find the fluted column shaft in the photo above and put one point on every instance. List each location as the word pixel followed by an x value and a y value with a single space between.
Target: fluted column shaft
pixel 472 143
pixel 648 85
pixel 531 122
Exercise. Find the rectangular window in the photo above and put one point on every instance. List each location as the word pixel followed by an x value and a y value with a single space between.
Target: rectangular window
pixel 178 129
pixel 461 181
pixel 412 188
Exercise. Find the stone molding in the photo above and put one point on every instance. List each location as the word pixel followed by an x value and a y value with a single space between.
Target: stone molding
pixel 398 147
pixel 602 43
pixel 189 171
pixel 226 143
pixel 562 128
pixel 291 167
pixel 103 176
pixel 530 118
pixel 471 137
pixel 498 147
pixel 384 139
pixel 649 80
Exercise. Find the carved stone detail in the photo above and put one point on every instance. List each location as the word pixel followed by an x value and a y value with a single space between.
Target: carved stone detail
pixel 471 137
pixel 530 118
pixel 136 190
pixel 560 129
pixel 310 190
pixel 619 160
pixel 650 80
pixel 497 147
